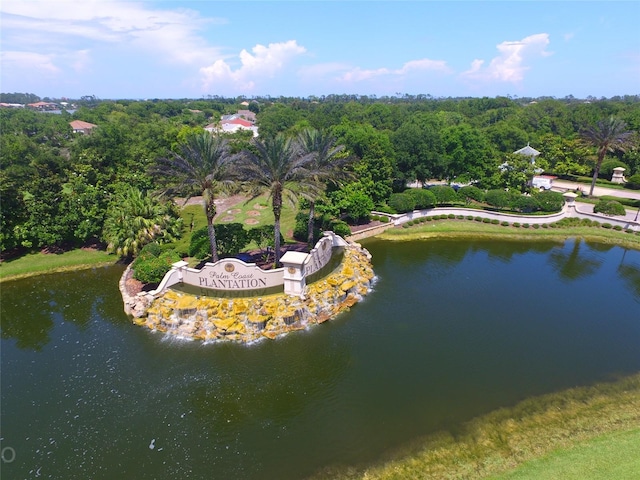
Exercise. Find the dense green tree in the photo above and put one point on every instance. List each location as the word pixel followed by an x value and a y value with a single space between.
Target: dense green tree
pixel 419 150
pixel 564 156
pixel 376 165
pixel 202 166
pixel 606 136
pixel 467 153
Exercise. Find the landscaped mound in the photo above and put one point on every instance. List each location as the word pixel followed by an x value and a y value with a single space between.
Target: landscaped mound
pixel 249 319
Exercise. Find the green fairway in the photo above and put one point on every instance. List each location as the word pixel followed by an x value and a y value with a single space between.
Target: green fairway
pixel 611 456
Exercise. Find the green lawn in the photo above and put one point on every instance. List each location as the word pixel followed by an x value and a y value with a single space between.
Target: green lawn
pixel 610 456
pixel 252 213
pixel 38 263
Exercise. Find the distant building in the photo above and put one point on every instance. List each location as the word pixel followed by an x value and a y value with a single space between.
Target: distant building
pixel 241 120
pixel 82 127
pixel 11 105
pixel 43 106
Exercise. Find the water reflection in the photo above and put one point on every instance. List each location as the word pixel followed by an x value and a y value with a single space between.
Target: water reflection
pixel 572 264
pixel 31 307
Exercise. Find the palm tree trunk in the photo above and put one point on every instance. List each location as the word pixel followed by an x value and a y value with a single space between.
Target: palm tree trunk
pixel 312 214
pixel 601 155
pixel 277 210
pixel 210 210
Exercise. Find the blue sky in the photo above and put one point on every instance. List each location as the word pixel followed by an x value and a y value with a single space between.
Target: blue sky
pixel 192 49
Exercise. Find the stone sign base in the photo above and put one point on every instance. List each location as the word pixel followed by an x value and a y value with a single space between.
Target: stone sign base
pixel 249 319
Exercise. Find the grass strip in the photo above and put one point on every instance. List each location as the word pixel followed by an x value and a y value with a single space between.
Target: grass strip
pixel 38 263
pixel 470 229
pixel 563 425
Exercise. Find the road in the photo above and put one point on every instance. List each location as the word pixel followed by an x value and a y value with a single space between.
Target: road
pixel 598 191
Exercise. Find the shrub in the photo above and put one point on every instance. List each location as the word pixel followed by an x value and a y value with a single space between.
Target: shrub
pixel 469 193
pixel 607 225
pixel 498 198
pixel 478 219
pixel 495 221
pixel 633 182
pixel 460 217
pixel 516 224
pixel 451 215
pixel 526 204
pixel 617 227
pixel 549 201
pixel 231 238
pixel 429 219
pixel 340 228
pixel 405 225
pixel 422 198
pixel 505 223
pixel 444 194
pixel 486 220
pixel 545 225
pixel 609 207
pixel 384 219
pixel 374 218
pixel 199 247
pixel 469 217
pixel 264 236
pixel 152 263
pixel 402 202
pixel 536 225
pixel 525 225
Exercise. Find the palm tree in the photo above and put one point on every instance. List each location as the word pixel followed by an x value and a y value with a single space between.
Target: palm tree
pixel 202 164
pixel 277 167
pixel 607 136
pixel 135 219
pixel 326 165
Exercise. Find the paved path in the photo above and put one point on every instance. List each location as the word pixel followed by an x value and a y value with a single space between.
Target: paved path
pixel 633 214
pixel 598 191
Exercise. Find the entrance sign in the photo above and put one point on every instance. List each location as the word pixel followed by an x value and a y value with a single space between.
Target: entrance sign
pixel 234 275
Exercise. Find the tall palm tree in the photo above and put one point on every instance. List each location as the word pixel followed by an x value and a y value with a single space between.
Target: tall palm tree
pixel 276 166
pixel 607 136
pixel 326 165
pixel 135 219
pixel 202 165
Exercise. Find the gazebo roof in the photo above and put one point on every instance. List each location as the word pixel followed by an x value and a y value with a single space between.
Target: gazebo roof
pixel 529 151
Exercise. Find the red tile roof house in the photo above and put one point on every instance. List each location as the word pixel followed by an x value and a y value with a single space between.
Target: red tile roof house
pixel 82 127
pixel 232 126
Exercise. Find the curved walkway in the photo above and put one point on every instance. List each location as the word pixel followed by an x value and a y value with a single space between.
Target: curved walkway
pixel 571 209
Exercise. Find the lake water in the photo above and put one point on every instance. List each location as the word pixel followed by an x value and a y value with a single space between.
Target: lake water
pixel 454 329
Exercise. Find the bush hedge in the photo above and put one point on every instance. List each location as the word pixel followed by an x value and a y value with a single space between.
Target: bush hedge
pixel 153 262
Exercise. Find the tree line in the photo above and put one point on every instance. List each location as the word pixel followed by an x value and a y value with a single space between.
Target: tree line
pixel 63 189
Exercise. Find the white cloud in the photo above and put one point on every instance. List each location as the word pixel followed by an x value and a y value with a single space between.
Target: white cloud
pixel 265 62
pixel 34 63
pixel 358 75
pixel 511 63
pixel 170 35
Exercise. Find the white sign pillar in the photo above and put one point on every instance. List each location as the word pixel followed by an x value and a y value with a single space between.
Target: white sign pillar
pixel 294 274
